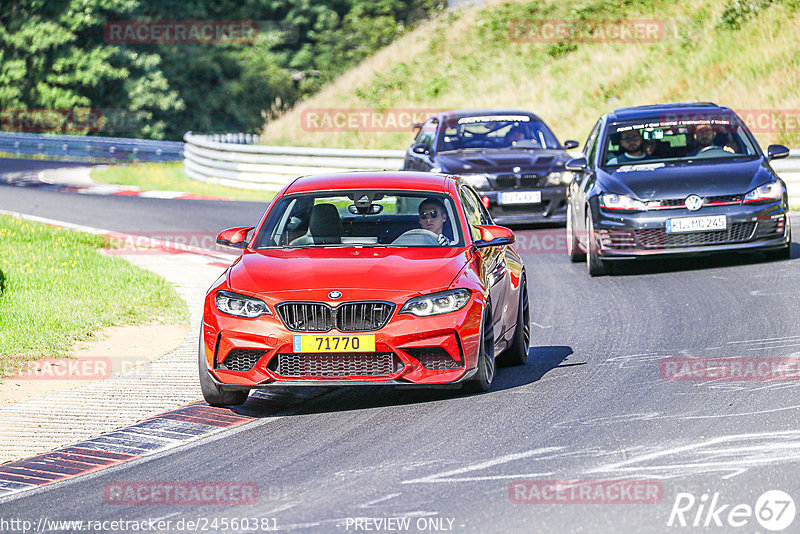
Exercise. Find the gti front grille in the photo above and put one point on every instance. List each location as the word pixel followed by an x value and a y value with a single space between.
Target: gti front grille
pixel 240 360
pixel 676 203
pixel 435 358
pixel 347 317
pixel 659 238
pixel 335 365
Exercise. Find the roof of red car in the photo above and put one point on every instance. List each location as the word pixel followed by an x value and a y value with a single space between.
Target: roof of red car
pixel 398 180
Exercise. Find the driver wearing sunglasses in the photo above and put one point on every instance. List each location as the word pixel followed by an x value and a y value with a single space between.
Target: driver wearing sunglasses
pixel 432 217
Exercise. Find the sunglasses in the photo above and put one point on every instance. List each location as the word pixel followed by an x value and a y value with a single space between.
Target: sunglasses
pixel 425 214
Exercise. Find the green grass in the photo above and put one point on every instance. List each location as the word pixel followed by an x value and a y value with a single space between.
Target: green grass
pixel 742 54
pixel 57 289
pixel 171 177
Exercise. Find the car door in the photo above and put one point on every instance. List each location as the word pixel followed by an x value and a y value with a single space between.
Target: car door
pixel 580 186
pixel 493 265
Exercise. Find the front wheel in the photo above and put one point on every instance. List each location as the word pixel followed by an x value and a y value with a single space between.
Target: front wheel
pixel 212 393
pixel 594 263
pixel 517 353
pixel 573 244
pixel 482 380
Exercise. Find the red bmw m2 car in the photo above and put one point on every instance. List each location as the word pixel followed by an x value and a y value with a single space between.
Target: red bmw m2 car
pixel 390 278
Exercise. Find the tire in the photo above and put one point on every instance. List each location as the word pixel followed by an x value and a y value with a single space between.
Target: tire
pixel 213 394
pixel 517 353
pixel 595 264
pixel 573 244
pixel 482 380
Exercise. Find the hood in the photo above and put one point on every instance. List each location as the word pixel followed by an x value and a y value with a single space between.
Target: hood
pixel 383 270
pixel 679 180
pixel 467 161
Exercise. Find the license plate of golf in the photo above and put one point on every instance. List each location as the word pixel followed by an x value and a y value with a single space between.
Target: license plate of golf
pixel 696 224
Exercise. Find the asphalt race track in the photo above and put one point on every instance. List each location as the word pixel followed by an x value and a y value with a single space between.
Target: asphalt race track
pixel 593 404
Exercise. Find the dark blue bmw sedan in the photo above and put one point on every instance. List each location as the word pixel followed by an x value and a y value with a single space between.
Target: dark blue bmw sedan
pixel 674 179
pixel 510 157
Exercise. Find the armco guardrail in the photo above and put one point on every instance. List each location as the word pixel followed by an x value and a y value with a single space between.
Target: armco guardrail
pixel 89 148
pixel 234 160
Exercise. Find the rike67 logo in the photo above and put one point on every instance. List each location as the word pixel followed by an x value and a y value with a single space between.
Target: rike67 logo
pixel 774 510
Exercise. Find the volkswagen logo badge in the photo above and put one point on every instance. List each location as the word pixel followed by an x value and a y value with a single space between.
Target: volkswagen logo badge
pixel 335 295
pixel 693 202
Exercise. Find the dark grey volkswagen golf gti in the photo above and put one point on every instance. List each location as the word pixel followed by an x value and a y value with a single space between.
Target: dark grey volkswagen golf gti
pixel 684 178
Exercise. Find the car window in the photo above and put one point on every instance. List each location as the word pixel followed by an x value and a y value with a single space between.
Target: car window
pixel 590 149
pixel 473 212
pixel 362 219
pixel 679 138
pixel 497 131
pixel 427 133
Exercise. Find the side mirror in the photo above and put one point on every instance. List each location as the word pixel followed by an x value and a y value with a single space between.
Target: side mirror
pixel 494 236
pixel 577 165
pixel 420 148
pixel 777 152
pixel 234 237
pixel 569 144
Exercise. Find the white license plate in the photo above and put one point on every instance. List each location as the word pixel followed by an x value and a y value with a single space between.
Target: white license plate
pixel 520 197
pixel 696 224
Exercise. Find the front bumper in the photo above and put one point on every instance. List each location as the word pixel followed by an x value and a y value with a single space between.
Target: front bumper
pixel 643 234
pixel 419 349
pixel 552 209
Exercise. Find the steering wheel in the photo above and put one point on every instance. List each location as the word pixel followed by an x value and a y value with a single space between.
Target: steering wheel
pixel 419 237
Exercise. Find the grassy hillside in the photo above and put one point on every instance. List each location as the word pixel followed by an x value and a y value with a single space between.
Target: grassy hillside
pixel 739 53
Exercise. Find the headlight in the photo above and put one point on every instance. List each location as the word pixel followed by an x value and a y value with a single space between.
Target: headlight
pixel 478 181
pixel 768 192
pixel 240 305
pixel 556 178
pixel 621 202
pixel 437 303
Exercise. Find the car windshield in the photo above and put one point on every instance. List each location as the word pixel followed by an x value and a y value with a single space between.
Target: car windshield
pixel 496 131
pixel 677 137
pixel 362 218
